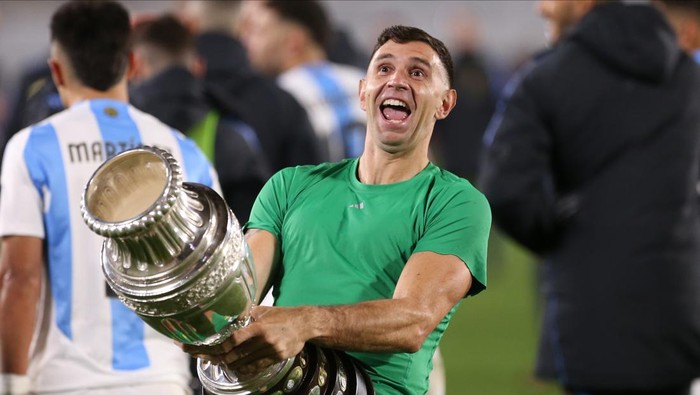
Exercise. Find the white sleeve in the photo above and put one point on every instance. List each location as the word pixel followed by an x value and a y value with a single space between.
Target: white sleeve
pixel 21 205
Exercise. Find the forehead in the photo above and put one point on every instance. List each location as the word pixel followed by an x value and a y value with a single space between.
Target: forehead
pixel 264 14
pixel 407 51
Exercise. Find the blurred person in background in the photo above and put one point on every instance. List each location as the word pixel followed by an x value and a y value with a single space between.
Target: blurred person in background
pixel 341 48
pixel 684 17
pixel 36 99
pixel 287 40
pixel 62 330
pixel 166 84
pixel 396 242
pixel 592 162
pixel 457 144
pixel 270 116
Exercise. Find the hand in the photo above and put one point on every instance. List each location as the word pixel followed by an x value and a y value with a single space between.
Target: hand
pixel 275 334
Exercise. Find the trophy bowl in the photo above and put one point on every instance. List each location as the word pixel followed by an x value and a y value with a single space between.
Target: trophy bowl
pixel 175 254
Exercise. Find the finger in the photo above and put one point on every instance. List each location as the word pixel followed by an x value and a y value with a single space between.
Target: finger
pixel 258 311
pixel 256 367
pixel 243 335
pixel 207 350
pixel 253 363
pixel 251 350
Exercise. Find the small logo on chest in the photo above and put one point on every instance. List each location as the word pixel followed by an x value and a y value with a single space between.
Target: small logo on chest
pixel 359 206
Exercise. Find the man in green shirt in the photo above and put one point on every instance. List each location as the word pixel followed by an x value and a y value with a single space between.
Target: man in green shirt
pixel 370 255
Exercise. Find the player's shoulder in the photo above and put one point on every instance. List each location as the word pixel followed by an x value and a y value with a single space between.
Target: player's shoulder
pixel 453 186
pixel 299 178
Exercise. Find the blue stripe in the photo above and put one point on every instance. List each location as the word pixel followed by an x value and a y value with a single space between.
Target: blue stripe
pixel 334 95
pixel 46 169
pixel 129 351
pixel 119 133
pixel 196 165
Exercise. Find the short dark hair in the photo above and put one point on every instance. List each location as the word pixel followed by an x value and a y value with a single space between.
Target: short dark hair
pixel 405 34
pixel 95 37
pixel 166 33
pixel 308 13
pixel 692 6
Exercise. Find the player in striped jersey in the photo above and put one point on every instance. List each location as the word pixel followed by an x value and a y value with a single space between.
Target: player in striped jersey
pixel 60 330
pixel 287 40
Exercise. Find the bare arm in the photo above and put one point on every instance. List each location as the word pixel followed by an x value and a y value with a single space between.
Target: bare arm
pixel 265 250
pixel 21 268
pixel 430 285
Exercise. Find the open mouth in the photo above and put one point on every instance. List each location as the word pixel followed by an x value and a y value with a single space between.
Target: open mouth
pixel 394 110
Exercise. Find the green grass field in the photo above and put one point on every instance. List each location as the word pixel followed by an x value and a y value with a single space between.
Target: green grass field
pixel 489 347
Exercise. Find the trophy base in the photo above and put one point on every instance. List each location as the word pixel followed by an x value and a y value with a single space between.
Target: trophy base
pixel 314 371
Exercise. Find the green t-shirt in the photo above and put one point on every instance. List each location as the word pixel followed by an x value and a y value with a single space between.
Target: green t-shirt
pixel 345 242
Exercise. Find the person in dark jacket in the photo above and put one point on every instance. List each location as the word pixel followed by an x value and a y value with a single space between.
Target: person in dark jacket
pixel 592 162
pixel 684 16
pixel 165 86
pixel 281 124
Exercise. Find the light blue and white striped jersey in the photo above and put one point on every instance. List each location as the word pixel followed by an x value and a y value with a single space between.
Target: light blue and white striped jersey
pixel 84 338
pixel 329 93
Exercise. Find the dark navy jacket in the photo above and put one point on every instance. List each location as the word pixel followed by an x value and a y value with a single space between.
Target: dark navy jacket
pixel 592 163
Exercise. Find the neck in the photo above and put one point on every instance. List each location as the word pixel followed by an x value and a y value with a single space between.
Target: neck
pixel 76 94
pixel 311 54
pixel 381 167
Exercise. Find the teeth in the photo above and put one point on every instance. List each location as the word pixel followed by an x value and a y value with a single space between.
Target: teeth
pixel 394 102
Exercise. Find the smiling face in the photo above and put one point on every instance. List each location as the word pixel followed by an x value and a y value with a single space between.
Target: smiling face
pixel 406 90
pixel 266 40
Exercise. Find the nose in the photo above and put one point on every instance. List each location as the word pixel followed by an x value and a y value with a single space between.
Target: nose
pixel 397 81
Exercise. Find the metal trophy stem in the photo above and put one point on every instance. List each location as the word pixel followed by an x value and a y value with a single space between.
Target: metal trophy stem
pixel 175 254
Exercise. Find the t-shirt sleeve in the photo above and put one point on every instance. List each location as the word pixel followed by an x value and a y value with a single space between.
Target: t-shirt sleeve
pixel 21 204
pixel 271 204
pixel 459 224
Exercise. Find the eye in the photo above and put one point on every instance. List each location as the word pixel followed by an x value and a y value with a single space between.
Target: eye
pixel 383 69
pixel 417 73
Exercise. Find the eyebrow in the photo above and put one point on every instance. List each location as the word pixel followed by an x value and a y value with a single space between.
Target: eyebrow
pixel 414 58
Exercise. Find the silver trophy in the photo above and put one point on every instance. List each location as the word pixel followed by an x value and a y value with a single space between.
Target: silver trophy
pixel 175 254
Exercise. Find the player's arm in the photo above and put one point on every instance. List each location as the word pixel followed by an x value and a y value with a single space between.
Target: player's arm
pixel 266 252
pixel 429 286
pixel 21 269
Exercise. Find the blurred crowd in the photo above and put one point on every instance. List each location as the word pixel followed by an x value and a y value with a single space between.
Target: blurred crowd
pixel 244 49
pixel 261 86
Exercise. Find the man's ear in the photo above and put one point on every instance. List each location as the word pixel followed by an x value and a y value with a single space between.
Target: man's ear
pixel 361 93
pixel 449 100
pixel 199 67
pixel 57 72
pixel 132 69
pixel 688 34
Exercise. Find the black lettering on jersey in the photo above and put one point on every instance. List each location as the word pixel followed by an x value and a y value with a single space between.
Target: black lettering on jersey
pixel 78 152
pixel 110 149
pixel 98 151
